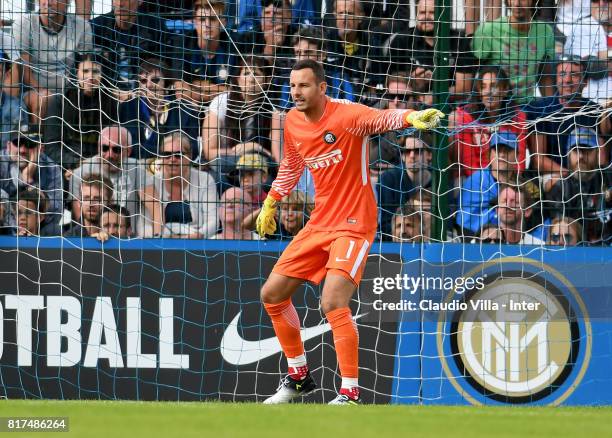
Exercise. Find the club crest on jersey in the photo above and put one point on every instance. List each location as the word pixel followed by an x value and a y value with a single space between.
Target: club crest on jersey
pixel 329 138
pixel 324 160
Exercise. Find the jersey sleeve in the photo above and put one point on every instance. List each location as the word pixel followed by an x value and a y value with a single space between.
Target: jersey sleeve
pixel 290 170
pixel 362 120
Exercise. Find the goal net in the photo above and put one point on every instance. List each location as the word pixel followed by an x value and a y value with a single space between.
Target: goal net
pixel 139 140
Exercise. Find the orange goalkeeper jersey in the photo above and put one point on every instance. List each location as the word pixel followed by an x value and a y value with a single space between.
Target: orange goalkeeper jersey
pixel 335 149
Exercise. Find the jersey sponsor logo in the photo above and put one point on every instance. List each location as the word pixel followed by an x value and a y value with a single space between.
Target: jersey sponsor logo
pixel 324 160
pixel 329 138
pixel 238 351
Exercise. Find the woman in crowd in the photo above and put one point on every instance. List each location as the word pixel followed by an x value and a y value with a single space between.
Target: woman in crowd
pixel 74 120
pixel 244 114
pixel 179 200
pixel 491 109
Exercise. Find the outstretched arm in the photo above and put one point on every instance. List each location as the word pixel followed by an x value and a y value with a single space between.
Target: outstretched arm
pixel 367 121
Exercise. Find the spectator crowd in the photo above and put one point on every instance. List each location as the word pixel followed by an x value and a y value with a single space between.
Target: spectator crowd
pixel 165 119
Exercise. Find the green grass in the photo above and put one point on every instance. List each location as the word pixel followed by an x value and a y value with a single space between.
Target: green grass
pixel 112 419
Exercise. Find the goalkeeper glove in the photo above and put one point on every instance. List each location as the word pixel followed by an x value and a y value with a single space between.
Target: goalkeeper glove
pixel 426 119
pixel 266 223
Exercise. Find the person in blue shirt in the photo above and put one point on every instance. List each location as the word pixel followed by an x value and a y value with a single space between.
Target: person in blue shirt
pixel 308 44
pixel 478 196
pixel 12 116
pixel 155 113
pixel 204 56
pixel 248 12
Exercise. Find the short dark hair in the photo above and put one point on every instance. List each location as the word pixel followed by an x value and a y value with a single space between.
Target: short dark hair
pixel 310 34
pixel 35 196
pixel 151 63
pixel 315 66
pixel 276 3
pixel 105 185
pixel 119 211
pixel 217 5
pixel 498 71
pixel 405 210
pixel 424 137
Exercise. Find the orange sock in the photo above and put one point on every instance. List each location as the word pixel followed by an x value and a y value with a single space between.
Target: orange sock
pixel 287 327
pixel 346 340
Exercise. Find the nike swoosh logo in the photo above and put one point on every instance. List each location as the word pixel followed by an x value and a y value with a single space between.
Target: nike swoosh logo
pixel 238 351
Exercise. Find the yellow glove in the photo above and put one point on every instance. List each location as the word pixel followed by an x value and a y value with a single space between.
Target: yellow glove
pixel 266 223
pixel 426 119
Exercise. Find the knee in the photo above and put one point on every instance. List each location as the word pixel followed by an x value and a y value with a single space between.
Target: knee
pixel 329 305
pixel 269 294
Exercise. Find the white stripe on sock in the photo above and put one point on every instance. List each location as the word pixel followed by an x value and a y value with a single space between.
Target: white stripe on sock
pixel 294 362
pixel 350 382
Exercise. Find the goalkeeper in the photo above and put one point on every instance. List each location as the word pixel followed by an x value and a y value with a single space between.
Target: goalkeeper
pixel 330 138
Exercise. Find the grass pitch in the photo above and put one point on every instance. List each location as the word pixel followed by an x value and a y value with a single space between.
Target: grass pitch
pixel 113 419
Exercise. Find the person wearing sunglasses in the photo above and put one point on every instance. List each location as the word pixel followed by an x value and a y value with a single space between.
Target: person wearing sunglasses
pixel 564 231
pixel 113 161
pixel 23 164
pixel 75 117
pixel 156 112
pixel 397 185
pixel 179 201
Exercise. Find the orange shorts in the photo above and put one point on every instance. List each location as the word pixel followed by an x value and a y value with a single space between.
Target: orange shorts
pixel 312 253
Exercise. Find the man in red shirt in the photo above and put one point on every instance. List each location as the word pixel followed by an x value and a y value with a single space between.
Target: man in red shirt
pixel 330 137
